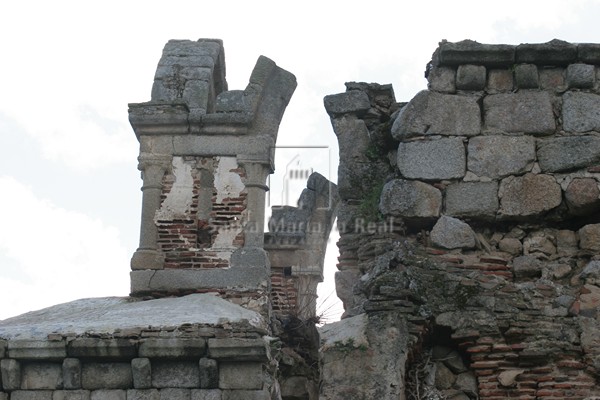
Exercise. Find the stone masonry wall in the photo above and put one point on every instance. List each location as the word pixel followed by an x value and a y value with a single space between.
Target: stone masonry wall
pixel 489 185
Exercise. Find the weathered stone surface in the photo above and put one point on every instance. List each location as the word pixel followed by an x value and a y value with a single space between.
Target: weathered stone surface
pixel 246 395
pixel 209 373
pixel 32 395
pixel 210 394
pixel 539 243
pixel 589 53
pixel 106 376
pixel 500 80
pixel 470 77
pixel 552 79
pixel 472 199
pixel 444 378
pixel 175 394
pixel 529 195
pixel 39 376
pixel 500 156
pixel 344 284
pixel 566 242
pixel 526 76
pixel 175 374
pixel 94 347
pixel 36 349
pixel 581 112
pixel 102 315
pixel 589 237
pixel 452 233
pixel 238 349
pixel 582 196
pixel 554 52
pixel 442 79
pixel 71 395
pixel 295 387
pixel 581 76
pixel 567 153
pixel 511 246
pixel 432 160
pixel 352 101
pixel 591 273
pixel 467 382
pixel 589 301
pixel 410 199
pixel 240 375
pixel 108 395
pixel 431 113
pixel 149 394
pixel 509 378
pixel 172 348
pixel 527 267
pixel 71 369
pixel 141 371
pixel 353 138
pixel 521 112
pixel 11 374
pixel 471 52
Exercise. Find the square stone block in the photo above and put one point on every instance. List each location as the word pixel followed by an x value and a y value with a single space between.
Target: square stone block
pixel 242 375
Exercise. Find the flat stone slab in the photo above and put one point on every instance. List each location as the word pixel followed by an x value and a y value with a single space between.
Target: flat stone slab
pixel 522 112
pixel 433 159
pixel 108 314
pixel 567 153
pixel 432 113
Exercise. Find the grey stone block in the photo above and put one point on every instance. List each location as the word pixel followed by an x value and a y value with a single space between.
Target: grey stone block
pixel 108 395
pixel 555 52
pixel 246 395
pixel 471 52
pixel 209 373
pixel 196 94
pixel 172 348
pixel 432 160
pixel 581 76
pixel 175 374
pixel 71 368
pixel 71 395
pixel 583 196
pixel 527 267
pixel 581 112
pixel 472 199
pixel 432 113
pixel 31 395
pixel 175 394
pixel 529 195
pixel 567 153
pixel 240 375
pixel 3 396
pixel 500 80
pixel 522 112
pixel 589 53
pixel 470 77
pixel 149 394
pixel 202 394
pixel 526 76
pixel 107 348
pixel 2 348
pixel 589 237
pixel 353 137
pixel 142 373
pixel 500 156
pixel 452 233
pixel 11 374
pixel 238 349
pixel 442 79
pixel 106 376
pixel 552 79
pixel 39 376
pixel 36 349
pixel 353 101
pixel 410 199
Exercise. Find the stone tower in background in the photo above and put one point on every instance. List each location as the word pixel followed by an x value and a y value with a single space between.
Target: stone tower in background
pixel 205 154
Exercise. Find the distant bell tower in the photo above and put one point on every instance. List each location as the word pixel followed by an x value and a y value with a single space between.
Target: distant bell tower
pixel 205 154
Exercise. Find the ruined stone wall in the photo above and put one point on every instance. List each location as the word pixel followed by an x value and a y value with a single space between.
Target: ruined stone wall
pixel 486 190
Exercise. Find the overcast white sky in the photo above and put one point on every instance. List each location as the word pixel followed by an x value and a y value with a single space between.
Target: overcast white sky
pixel 69 185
